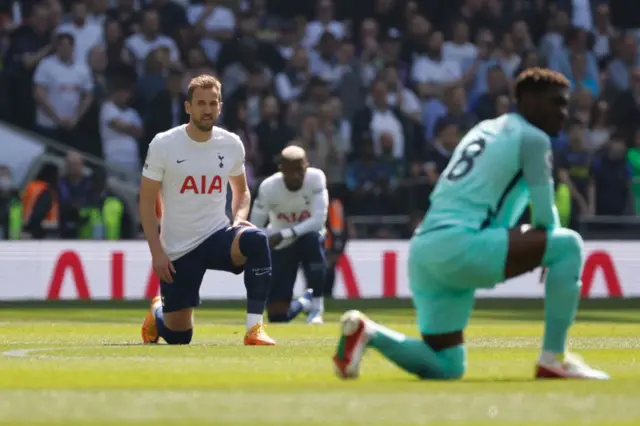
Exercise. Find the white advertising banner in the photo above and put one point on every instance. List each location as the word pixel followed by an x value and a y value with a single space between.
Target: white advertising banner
pixel 370 269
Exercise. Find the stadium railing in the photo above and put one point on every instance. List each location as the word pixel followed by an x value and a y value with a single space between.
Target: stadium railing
pixel 122 184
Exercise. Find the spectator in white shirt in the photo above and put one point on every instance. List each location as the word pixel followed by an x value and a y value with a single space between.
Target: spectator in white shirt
pixel 324 23
pixel 63 93
pixel 401 96
pixel 214 23
pixel 86 33
pixel 324 60
pixel 291 82
pixel 603 32
pixel 459 49
pixel 431 72
pixel 506 55
pixel 384 120
pixel 149 38
pixel 378 118
pixel 120 127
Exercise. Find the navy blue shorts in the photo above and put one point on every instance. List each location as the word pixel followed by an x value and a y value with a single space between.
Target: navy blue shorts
pixel 213 253
pixel 286 262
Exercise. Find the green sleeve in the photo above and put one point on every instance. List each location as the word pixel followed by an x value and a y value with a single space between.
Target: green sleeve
pixel 536 159
pixel 633 155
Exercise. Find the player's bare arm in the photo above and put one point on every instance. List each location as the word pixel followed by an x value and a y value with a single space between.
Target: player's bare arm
pixel 565 178
pixel 536 169
pixel 241 199
pixel 149 190
pixel 260 212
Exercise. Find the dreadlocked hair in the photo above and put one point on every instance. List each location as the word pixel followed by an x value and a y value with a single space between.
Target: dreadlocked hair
pixel 537 80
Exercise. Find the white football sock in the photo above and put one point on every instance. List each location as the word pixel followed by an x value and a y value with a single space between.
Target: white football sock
pixel 317 304
pixel 550 357
pixel 253 319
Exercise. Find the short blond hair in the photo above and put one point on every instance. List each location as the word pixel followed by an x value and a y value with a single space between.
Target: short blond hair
pixel 203 81
pixel 538 79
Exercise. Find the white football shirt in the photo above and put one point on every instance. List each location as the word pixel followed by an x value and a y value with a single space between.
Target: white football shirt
pixel 119 148
pixel 65 84
pixel 194 178
pixel 304 210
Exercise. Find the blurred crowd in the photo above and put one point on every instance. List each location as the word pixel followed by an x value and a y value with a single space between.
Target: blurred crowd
pixel 378 92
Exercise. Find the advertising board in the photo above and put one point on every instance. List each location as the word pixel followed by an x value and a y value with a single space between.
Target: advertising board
pixel 71 270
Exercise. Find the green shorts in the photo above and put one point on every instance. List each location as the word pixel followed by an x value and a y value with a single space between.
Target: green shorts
pixel 446 266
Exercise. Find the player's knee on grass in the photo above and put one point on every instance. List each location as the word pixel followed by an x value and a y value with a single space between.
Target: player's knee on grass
pixel 177 327
pixel 563 244
pixel 451 355
pixel 453 363
pixel 454 371
pixel 178 337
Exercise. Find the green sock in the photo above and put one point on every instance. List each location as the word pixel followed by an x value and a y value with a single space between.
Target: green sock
pixel 416 357
pixel 562 293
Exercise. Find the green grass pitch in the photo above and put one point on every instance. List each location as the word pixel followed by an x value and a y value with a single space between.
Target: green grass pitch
pixel 82 364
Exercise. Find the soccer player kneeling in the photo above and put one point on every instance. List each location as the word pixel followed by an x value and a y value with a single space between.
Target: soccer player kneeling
pixel 295 202
pixel 467 241
pixel 190 166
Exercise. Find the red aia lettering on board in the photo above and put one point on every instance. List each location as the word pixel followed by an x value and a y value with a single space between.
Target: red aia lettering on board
pixel 294 217
pixel 600 259
pixel 71 261
pixel 201 185
pixel 389 275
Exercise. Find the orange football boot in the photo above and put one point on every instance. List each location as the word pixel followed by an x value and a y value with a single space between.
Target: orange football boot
pixel 257 336
pixel 149 329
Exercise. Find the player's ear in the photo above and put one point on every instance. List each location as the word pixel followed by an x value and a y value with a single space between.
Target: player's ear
pixel 187 107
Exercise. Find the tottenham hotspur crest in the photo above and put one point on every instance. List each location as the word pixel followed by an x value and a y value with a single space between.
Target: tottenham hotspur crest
pixel 220 157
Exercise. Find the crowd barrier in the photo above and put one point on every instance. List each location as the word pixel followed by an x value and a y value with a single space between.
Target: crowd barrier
pixel 71 270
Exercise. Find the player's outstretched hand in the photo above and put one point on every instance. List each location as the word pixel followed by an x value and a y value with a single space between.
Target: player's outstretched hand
pixel 243 223
pixel 275 240
pixel 163 267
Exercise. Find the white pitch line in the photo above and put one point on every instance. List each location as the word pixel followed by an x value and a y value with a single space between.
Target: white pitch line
pixel 31 353
pixel 21 353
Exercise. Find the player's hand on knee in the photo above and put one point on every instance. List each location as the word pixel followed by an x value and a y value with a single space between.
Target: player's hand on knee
pixel 275 240
pixel 163 267
pixel 240 222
